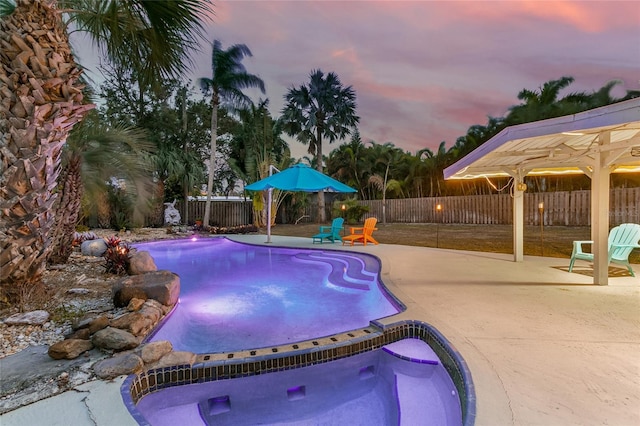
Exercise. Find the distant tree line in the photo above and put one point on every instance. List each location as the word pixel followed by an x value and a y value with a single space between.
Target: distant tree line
pixel 69 158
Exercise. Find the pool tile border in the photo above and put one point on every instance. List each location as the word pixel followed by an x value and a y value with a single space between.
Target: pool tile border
pixel 222 366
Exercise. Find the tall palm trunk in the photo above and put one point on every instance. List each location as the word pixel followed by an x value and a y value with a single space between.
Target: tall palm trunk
pixel 322 217
pixel 67 211
pixel 41 100
pixel 185 148
pixel 215 101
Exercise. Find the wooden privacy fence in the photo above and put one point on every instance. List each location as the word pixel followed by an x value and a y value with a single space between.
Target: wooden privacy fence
pixel 223 213
pixel 571 208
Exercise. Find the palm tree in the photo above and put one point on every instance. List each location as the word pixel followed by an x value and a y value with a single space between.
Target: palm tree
pixel 257 138
pixel 540 104
pixel 257 144
pixel 43 100
pixel 323 109
pixel 346 163
pixel 386 155
pixel 228 78
pixel 437 162
pixel 93 154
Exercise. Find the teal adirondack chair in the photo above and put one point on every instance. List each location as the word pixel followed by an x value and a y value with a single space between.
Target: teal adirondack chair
pixel 331 233
pixel 622 240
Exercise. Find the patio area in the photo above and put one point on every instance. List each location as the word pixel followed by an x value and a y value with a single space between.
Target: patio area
pixel 544 346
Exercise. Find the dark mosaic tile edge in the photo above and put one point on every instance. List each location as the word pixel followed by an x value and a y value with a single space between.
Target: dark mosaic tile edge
pixel 223 367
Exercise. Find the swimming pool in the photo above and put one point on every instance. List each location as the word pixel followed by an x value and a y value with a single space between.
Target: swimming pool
pixel 237 296
pixel 353 363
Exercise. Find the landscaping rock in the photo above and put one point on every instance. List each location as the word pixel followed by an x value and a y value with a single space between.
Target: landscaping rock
pixel 114 339
pixel 152 310
pixel 83 334
pixel 79 291
pixel 93 247
pixel 135 304
pixel 152 352
pixel 134 322
pixel 163 286
pixel 125 364
pixel 93 323
pixel 141 262
pixel 28 318
pixel 175 358
pixel 69 349
pixel 98 324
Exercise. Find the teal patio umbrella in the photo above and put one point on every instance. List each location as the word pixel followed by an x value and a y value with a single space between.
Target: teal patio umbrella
pixel 297 178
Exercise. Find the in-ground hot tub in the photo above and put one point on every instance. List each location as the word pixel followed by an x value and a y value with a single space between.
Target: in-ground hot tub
pixel 402 373
pixel 402 383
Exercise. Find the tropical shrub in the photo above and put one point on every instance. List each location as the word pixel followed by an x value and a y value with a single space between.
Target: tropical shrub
pixel 117 256
pixel 242 229
pixel 352 212
pixel 81 237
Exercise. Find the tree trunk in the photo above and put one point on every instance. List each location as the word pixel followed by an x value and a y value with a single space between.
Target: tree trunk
pixel 212 158
pixel 322 217
pixel 67 212
pixel 158 206
pixel 41 100
pixel 185 148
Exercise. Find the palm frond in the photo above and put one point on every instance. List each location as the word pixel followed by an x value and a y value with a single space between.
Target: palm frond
pixel 7 7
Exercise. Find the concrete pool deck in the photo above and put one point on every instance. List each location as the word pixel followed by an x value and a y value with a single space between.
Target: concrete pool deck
pixel 544 346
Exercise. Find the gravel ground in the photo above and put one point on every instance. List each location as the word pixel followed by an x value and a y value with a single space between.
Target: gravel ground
pixel 72 290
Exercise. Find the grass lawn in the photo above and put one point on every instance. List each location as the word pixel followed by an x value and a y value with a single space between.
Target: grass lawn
pixel 555 241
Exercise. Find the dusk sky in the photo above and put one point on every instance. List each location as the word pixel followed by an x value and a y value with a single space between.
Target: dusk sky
pixel 425 71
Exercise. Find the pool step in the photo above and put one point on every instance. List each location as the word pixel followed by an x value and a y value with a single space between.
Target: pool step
pixel 356 266
pixel 341 272
pixel 413 350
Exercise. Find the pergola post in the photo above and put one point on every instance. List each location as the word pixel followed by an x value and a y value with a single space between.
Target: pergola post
pixel 600 211
pixel 518 220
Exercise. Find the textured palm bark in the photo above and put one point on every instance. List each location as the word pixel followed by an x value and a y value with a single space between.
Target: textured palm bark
pixel 40 101
pixel 67 211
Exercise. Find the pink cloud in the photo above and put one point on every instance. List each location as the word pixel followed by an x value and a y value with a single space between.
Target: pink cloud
pixel 426 71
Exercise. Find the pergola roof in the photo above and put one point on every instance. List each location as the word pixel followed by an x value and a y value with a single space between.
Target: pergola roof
pixel 559 145
pixel 596 142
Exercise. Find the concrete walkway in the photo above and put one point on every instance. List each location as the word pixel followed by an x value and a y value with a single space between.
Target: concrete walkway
pixel 544 346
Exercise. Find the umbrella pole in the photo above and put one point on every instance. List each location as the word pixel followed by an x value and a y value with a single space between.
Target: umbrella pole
pixel 269 216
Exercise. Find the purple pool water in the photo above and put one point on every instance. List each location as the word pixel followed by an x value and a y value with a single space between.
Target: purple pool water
pixel 237 296
pixel 403 383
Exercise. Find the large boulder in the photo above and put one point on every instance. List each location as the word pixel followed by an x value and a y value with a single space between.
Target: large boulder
pixel 124 364
pixel 175 358
pixel 163 286
pixel 141 262
pixel 69 349
pixel 114 339
pixel 153 351
pixel 93 247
